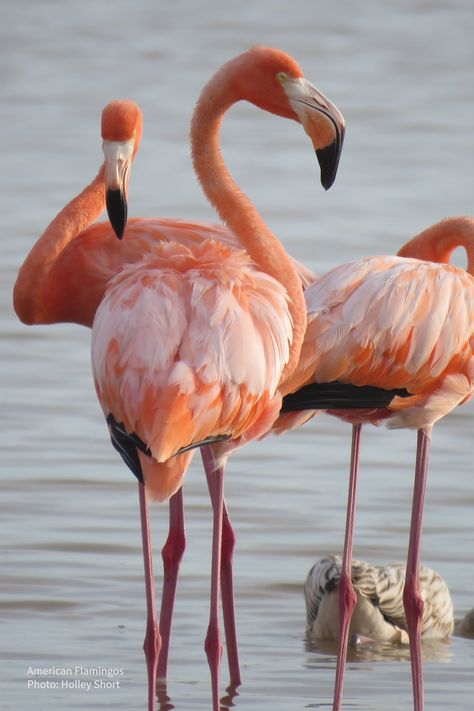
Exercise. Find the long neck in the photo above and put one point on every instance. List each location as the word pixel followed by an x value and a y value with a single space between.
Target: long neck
pixel 238 212
pixel 437 243
pixel 78 214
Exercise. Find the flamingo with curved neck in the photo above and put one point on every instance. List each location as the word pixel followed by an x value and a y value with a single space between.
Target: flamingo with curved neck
pixel 273 81
pixel 228 370
pixel 67 272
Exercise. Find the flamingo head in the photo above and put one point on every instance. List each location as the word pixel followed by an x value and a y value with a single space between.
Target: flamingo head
pixel 272 80
pixel 121 136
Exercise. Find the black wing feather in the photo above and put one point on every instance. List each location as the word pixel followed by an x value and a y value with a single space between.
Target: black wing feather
pixel 336 395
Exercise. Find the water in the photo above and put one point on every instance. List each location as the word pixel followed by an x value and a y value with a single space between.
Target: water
pixel 72 589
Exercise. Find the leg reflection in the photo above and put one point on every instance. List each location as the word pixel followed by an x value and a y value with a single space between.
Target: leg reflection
pixel 164 701
pixel 227 701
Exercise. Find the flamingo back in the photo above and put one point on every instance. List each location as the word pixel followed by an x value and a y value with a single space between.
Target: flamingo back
pixel 189 343
pixel 80 274
pixel 392 322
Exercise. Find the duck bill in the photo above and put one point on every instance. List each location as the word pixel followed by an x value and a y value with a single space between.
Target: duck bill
pixel 118 159
pixel 324 124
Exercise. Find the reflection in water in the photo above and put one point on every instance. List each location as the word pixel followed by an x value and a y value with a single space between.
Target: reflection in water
pixel 227 701
pixel 164 701
pixel 464 627
pixel 432 650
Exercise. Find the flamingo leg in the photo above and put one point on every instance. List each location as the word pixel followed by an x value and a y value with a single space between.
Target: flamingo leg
pixel 152 643
pixel 347 596
pixel 227 591
pixel 412 600
pixel 171 554
pixel 213 644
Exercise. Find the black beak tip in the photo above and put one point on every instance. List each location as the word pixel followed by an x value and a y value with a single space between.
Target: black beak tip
pixel 117 211
pixel 328 159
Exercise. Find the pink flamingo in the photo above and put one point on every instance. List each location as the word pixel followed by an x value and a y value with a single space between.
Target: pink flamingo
pixel 192 343
pixel 392 335
pixel 65 275
pixel 64 278
pixel 197 343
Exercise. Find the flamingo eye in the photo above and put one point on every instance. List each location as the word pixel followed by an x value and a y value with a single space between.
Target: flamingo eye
pixel 282 77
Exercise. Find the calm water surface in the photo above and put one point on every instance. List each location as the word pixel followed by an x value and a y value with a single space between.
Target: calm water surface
pixel 72 588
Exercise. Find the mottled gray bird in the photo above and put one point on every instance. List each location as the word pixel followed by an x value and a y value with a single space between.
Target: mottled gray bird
pixel 379 614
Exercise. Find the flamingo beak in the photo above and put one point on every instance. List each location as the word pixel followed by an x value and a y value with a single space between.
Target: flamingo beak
pixel 118 159
pixel 322 121
pixel 328 159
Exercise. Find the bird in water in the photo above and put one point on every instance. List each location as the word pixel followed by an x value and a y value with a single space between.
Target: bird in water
pixel 67 273
pixel 194 344
pixel 390 339
pixel 379 614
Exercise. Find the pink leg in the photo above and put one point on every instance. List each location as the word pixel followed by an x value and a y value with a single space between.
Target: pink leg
pixel 152 643
pixel 227 590
pixel 347 596
pixel 213 645
pixel 171 554
pixel 412 599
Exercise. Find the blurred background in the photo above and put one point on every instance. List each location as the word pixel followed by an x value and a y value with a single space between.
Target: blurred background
pixel 71 566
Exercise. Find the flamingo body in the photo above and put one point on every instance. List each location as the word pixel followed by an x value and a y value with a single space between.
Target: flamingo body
pixel 379 614
pixel 187 343
pixel 394 322
pixel 80 273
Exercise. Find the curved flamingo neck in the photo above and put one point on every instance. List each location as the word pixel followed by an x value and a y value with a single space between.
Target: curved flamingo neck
pixel 236 209
pixel 28 296
pixel 437 243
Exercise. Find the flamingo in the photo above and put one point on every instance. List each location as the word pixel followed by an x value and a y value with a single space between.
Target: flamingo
pixel 65 275
pixel 192 343
pixel 64 278
pixel 195 343
pixel 394 336
pixel 378 613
